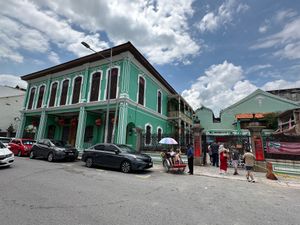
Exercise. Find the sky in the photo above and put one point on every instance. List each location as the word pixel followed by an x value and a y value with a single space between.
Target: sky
pixel 214 53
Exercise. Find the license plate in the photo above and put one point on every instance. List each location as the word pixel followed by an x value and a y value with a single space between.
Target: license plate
pixel 71 153
pixel 150 164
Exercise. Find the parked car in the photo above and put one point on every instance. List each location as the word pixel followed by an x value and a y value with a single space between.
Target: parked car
pixel 5 140
pixel 116 156
pixel 53 150
pixel 21 147
pixel 6 156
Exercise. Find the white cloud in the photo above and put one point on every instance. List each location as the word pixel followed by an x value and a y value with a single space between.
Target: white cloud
pixel 54 58
pixel 263 28
pixel 12 81
pixel 158 28
pixel 286 43
pixel 224 15
pixel 280 84
pixel 285 14
pixel 218 87
pixel 223 85
pixel 255 68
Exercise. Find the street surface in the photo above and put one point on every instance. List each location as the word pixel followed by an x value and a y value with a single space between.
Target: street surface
pixel 35 192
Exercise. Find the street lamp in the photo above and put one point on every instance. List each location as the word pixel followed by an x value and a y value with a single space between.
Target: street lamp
pixel 109 87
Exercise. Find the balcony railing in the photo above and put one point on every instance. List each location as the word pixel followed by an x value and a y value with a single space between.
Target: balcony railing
pixel 179 115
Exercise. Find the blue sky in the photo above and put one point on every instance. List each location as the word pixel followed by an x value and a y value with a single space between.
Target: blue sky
pixel 212 52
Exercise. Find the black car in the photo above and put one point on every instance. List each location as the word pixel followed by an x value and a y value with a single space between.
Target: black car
pixel 116 156
pixel 53 150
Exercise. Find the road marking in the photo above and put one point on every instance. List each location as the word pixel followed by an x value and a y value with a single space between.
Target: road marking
pixel 144 177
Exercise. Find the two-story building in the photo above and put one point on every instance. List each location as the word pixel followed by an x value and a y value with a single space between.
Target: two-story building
pixel 114 95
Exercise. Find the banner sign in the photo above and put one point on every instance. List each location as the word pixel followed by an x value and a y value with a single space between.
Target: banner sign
pixel 287 148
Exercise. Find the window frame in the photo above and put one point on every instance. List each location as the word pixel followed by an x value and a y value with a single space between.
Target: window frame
pixel 34 96
pixel 50 92
pixel 138 89
pixel 72 89
pixel 106 84
pixel 160 133
pixel 161 99
pixel 91 82
pixel 151 130
pixel 61 89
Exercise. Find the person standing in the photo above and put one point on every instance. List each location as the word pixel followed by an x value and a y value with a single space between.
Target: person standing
pixel 223 159
pixel 215 153
pixel 249 164
pixel 235 160
pixel 190 156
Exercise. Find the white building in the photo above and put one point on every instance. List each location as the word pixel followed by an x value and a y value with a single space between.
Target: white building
pixel 11 102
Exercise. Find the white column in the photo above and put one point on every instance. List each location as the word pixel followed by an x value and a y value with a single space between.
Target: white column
pixel 21 126
pixel 42 126
pixel 122 123
pixel 81 129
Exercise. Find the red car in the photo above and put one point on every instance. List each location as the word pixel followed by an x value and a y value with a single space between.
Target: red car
pixel 21 147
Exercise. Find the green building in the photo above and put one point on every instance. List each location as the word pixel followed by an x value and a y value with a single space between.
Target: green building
pixel 234 121
pixel 72 102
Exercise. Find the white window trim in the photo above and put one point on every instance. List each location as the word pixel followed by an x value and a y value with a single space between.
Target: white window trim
pixel 159 128
pixel 151 130
pixel 34 96
pixel 50 92
pixel 90 87
pixel 38 93
pixel 161 99
pixel 118 80
pixel 72 89
pixel 138 89
pixel 61 87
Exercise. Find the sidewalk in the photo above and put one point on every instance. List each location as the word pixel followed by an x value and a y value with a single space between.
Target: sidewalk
pixel 210 171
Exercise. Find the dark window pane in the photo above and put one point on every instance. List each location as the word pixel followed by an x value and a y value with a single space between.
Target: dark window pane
pixel 94 96
pixel 41 96
pixel 159 102
pixel 99 147
pixel 141 90
pixel 148 135
pixel 113 84
pixel 32 92
pixel 64 92
pixel 158 134
pixel 76 90
pixel 88 134
pixel 53 94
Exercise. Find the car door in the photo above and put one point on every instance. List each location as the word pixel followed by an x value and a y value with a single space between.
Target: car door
pixel 112 157
pixel 45 148
pixel 98 153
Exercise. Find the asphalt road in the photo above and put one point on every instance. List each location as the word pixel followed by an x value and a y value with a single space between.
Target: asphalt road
pixel 38 192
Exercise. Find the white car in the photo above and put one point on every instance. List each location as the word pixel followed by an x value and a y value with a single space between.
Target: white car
pixel 6 156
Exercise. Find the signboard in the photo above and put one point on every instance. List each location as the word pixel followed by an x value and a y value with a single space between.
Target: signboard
pixel 287 148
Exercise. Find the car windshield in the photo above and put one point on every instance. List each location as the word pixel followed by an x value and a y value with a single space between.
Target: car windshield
pixel 28 142
pixel 125 148
pixel 2 145
pixel 59 143
pixel 5 140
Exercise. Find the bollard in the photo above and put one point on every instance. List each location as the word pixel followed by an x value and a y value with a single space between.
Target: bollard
pixel 270 175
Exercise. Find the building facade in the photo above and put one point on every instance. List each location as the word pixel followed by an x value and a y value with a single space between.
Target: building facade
pixel 112 96
pixel 11 102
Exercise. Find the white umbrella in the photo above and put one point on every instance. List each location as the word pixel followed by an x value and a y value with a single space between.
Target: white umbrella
pixel 168 141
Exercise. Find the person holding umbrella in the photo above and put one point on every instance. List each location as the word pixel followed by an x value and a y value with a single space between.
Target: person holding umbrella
pixel 190 156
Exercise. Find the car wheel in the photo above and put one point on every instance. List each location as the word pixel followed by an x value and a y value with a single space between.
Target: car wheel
pixel 89 162
pixel 19 153
pixel 50 157
pixel 125 167
pixel 31 155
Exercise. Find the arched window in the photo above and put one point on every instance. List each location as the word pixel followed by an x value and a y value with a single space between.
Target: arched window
pixel 76 90
pixel 41 96
pixel 64 92
pixel 95 87
pixel 159 133
pixel 113 85
pixel 31 98
pixel 53 94
pixel 148 134
pixel 159 102
pixel 141 90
